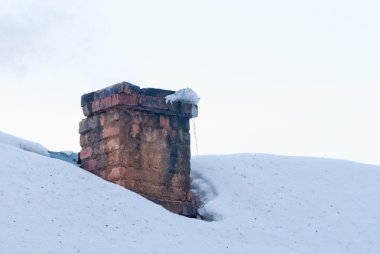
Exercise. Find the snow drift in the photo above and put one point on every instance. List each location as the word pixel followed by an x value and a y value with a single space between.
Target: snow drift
pixel 260 203
pixel 23 144
pixel 186 95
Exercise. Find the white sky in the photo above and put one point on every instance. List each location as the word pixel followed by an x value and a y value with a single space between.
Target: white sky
pixel 283 77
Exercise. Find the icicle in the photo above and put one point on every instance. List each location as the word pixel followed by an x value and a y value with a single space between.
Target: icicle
pixel 195 135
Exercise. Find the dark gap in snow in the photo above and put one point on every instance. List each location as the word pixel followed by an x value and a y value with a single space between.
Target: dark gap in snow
pixel 67 156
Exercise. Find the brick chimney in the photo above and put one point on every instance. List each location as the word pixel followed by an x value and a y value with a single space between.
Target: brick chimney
pixel 133 138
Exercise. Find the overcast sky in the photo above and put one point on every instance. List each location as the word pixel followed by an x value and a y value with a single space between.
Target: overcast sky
pixel 281 77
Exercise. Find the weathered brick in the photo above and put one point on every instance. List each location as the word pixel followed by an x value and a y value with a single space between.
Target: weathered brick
pixel 106 146
pixel 153 102
pixel 111 159
pixel 115 174
pixel 85 153
pixel 160 191
pixel 128 100
pixel 87 110
pixel 110 131
pixel 88 124
pixel 90 138
pixel 89 165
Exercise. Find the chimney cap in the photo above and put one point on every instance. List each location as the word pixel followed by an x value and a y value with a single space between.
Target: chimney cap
pixel 123 88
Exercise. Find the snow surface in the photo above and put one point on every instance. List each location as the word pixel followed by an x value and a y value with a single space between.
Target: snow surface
pixel 261 204
pixel 23 144
pixel 186 95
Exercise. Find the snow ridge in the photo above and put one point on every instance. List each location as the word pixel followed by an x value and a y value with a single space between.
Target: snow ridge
pixel 23 144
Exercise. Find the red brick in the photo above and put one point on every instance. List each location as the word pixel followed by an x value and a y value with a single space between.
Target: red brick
pixel 128 100
pixel 89 165
pixel 115 174
pixel 135 130
pixel 86 153
pixel 110 131
pixel 165 123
